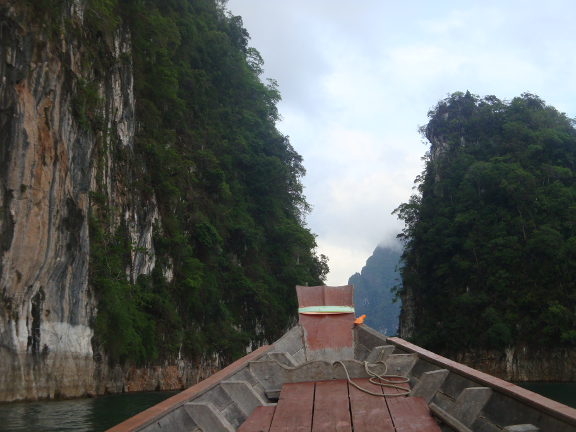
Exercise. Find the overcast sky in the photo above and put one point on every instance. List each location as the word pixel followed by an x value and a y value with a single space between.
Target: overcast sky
pixel 358 77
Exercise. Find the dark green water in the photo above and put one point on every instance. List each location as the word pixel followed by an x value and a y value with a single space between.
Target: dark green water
pixel 561 392
pixel 100 414
pixel 79 415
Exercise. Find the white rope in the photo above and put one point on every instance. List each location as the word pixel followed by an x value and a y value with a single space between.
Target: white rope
pixel 386 383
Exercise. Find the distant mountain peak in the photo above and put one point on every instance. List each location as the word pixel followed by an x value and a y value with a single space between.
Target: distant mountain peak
pixel 372 296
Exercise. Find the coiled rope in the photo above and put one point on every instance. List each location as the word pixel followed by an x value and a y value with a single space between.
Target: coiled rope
pixel 385 383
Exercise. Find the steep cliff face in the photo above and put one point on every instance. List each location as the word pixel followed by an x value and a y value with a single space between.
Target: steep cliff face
pixel 407 313
pixel 522 363
pixel 372 290
pixel 50 164
pixel 151 213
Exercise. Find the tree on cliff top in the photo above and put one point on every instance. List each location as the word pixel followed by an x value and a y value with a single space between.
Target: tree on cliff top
pixel 490 237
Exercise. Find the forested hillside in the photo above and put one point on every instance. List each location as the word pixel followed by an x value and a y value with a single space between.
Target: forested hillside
pixel 490 252
pixel 206 164
pixel 372 290
pixel 228 187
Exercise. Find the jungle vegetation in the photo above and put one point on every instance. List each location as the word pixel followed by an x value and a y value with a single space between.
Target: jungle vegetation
pixel 228 185
pixel 490 235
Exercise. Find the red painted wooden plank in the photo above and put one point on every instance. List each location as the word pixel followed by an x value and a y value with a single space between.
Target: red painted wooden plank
pixel 310 296
pixel 423 403
pixel 294 409
pixel 339 296
pixel 327 331
pixel 411 414
pixel 369 413
pixel 331 407
pixel 259 421
pixel 392 390
pixel 325 295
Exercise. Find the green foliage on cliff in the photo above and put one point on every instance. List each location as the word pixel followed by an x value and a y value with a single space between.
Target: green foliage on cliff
pixel 372 290
pixel 227 182
pixel 491 236
pixel 231 242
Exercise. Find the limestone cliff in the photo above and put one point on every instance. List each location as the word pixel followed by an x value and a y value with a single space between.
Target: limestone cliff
pixel 50 164
pixel 372 290
pixel 522 363
pixel 406 319
pixel 151 214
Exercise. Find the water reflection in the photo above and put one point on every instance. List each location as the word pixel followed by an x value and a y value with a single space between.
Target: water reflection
pixel 564 393
pixel 79 415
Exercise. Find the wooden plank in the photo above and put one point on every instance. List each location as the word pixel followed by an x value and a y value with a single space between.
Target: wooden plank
pixel 325 295
pixel 331 407
pixel 327 331
pixel 294 409
pixel 392 390
pixel 369 413
pixel 259 421
pixel 423 403
pixel 411 414
pixel 550 407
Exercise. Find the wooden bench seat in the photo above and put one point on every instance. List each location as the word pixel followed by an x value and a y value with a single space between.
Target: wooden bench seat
pixel 336 406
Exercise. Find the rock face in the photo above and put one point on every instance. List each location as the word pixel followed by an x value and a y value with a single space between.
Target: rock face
pixel 372 290
pixel 49 165
pixel 406 318
pixel 522 363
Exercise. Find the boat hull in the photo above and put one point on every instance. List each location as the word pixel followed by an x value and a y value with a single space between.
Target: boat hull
pixel 478 401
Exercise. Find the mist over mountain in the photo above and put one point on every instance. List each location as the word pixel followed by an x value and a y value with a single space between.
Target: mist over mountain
pixel 372 295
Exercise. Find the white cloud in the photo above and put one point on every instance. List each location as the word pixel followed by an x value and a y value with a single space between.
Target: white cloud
pixel 455 20
pixel 357 78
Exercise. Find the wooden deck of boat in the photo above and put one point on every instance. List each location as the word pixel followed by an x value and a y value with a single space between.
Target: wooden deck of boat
pixel 337 406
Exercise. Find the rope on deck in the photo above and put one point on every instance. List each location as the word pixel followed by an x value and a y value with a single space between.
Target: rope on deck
pixel 385 383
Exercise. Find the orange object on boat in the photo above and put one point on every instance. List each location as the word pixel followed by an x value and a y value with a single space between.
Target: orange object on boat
pixel 360 320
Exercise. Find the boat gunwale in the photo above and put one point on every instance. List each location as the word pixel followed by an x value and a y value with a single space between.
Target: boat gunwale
pixel 541 403
pixel 158 411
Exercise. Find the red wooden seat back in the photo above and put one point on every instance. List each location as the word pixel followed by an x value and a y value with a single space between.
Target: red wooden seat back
pixel 327 336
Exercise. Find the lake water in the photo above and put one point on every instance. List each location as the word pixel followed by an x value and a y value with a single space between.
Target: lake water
pixel 78 415
pixel 561 392
pixel 100 414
